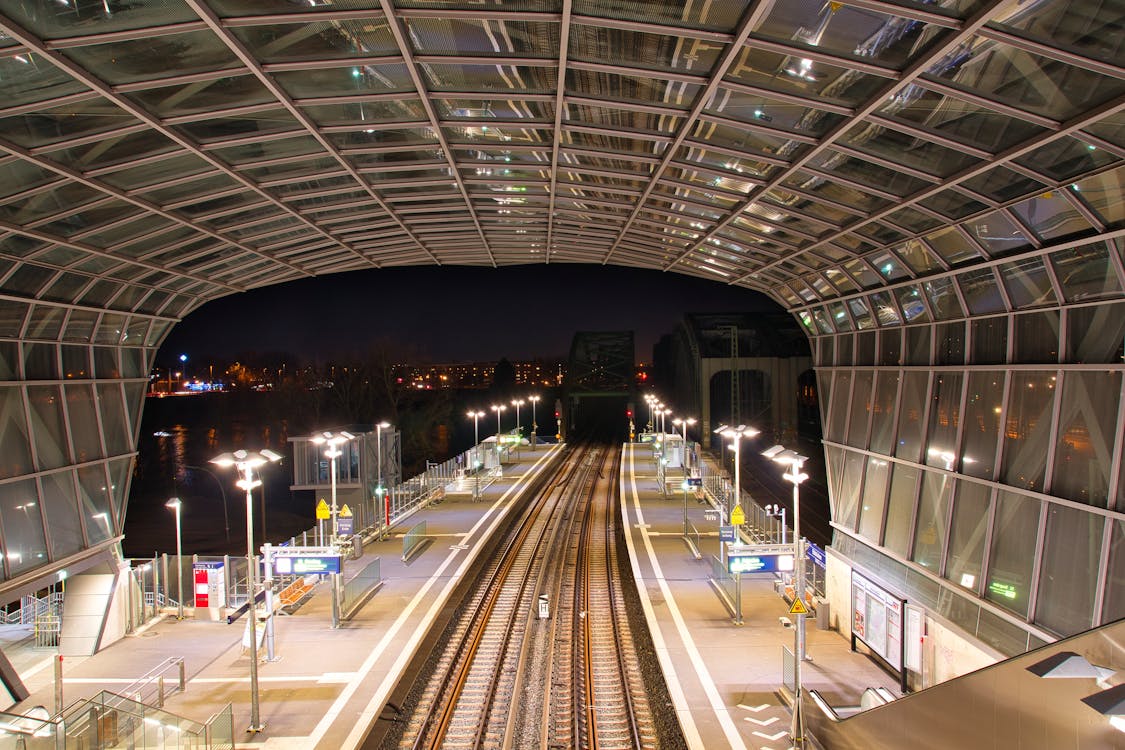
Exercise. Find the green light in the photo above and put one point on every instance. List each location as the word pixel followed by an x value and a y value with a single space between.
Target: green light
pixel 1005 590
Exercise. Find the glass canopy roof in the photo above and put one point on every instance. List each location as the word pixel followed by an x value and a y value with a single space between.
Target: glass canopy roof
pixel 189 149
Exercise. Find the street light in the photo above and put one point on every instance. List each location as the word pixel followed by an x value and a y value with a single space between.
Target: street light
pixel 333 441
pixel 518 402
pixel 794 462
pixel 176 505
pixel 498 408
pixel 379 466
pixel 476 415
pixel 683 463
pixel 534 425
pixel 735 434
pixel 245 462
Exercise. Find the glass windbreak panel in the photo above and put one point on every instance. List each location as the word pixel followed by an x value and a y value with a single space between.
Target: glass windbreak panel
pixel 950 339
pixel 912 404
pixel 890 347
pixel 118 438
pixel 865 348
pixel 1072 551
pixel 61 506
pixel 874 498
pixel 1087 437
pixel 943 299
pixel 841 394
pixel 1036 338
pixel 1114 607
pixel 982 295
pixel 83 423
pixel 900 509
pixel 968 532
pixel 860 408
pixel 917 346
pixel 953 247
pixel 1096 334
pixel 1102 194
pixel 933 512
pixel 1013 551
pixel 847 501
pixel 1027 429
pixel 990 340
pixel 93 499
pixel 1085 273
pixel 998 233
pixel 21 514
pixel 945 417
pixel 40 362
pixel 48 427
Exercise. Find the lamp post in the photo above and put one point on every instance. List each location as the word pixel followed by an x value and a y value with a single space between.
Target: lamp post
pixel 476 415
pixel 534 425
pixel 176 505
pixel 222 491
pixel 518 402
pixel 794 462
pixel 498 408
pixel 379 470
pixel 683 462
pixel 333 441
pixel 735 434
pixel 245 462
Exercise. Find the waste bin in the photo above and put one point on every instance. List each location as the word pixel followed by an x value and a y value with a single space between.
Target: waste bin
pixel 822 614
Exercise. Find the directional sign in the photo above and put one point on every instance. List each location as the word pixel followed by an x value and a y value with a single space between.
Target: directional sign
pixel 322 511
pixel 345 525
pixel 816 554
pixel 306 565
pixel 759 563
pixel 694 481
pixel 737 516
pixel 711 515
pixel 726 534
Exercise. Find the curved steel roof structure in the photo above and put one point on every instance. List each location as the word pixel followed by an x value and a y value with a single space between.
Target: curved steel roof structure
pixel 934 189
pixel 161 154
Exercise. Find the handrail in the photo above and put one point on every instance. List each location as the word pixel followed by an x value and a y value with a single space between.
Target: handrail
pixel 155 676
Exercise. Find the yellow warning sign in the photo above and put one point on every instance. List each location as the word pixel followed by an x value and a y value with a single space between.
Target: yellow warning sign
pixel 737 516
pixel 345 512
pixel 322 511
pixel 798 608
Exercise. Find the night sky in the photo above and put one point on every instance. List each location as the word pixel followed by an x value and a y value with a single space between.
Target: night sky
pixel 453 313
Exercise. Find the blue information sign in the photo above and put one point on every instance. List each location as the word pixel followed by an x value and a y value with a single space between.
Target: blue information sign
pixel 726 534
pixel 754 564
pixel 345 525
pixel 310 565
pixel 816 554
pixel 694 481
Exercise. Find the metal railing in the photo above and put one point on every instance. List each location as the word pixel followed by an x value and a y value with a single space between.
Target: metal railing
pixel 152 687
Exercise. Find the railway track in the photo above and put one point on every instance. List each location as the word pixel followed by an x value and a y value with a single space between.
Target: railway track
pixel 505 677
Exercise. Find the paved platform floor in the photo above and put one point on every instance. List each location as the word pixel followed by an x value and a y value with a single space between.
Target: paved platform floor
pixel 328 687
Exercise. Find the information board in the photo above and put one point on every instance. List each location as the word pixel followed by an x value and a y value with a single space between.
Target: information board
pixel 759 563
pixel 877 619
pixel 306 565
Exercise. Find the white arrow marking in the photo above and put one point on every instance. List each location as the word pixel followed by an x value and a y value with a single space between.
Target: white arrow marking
pixel 755 709
pixel 771 737
pixel 761 723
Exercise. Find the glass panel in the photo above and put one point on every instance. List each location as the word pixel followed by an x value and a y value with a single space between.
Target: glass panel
pixel 29 77
pixel 46 322
pixel 980 291
pixel 76 362
pixel 80 326
pixel 1027 283
pixel 1067 580
pixel 998 233
pixel 933 510
pixel 1050 215
pixel 950 344
pixel 9 360
pixel 117 434
pixel 1027 429
pixel 119 471
pixel 917 345
pixel 1013 551
pixel 83 423
pixel 152 57
pixel 1096 334
pixel 874 498
pixel 844 346
pixel 1085 273
pixel 847 501
pixel 890 347
pixel 865 348
pixel 1037 337
pixel 967 534
pixel 1102 194
pixel 61 506
pixel 953 247
pixel 943 299
pixel 900 510
pixel 1087 437
pixel 40 361
pixel 105 362
pixel 945 416
pixel 15 450
pixel 48 426
pixel 883 411
pixel 25 544
pixel 913 308
pixel 990 340
pixel 913 403
pixel 12 315
pixel 1114 607
pixel 93 494
pixel 982 424
pixel 841 393
pixel 860 408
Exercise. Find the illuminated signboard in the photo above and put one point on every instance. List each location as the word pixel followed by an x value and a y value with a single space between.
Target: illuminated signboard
pixel 759 563
pixel 311 565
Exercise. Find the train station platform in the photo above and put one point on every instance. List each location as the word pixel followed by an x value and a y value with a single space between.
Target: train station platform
pixel 327 687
